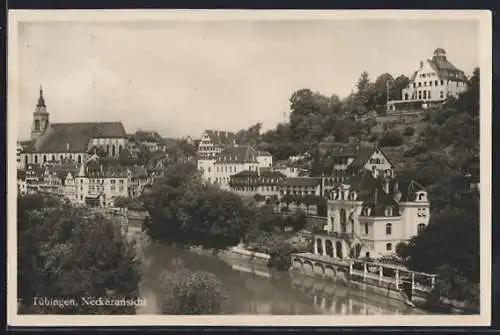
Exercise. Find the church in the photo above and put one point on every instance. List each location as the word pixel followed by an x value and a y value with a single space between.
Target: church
pixel 58 143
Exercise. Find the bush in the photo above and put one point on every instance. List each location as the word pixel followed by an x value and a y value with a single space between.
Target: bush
pixel 409 131
pixel 280 255
pixel 186 292
pixel 373 138
pixel 391 139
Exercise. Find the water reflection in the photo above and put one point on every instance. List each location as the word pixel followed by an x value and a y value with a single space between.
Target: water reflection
pixel 253 289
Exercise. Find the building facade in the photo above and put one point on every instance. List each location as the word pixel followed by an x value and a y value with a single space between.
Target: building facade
pixel 301 186
pixel 434 81
pixel 213 142
pixel 265 159
pixel 98 186
pixel 248 183
pixel 369 217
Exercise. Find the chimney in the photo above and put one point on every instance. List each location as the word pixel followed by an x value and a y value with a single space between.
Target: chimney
pixel 67 146
pixel 421 64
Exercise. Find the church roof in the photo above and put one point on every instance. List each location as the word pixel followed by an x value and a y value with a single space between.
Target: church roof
pixel 75 137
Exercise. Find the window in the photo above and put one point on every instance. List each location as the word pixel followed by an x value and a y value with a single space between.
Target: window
pixel 420 227
pixel 366 228
pixel 388 211
pixel 209 169
pixel 429 94
pixel 419 84
pixel 425 94
pixel 430 83
pixel 442 82
pixel 421 196
pixel 436 83
pixel 388 246
pixel 441 94
pixel 53 157
pixel 425 83
pixel 414 85
pixel 388 229
pixel 419 95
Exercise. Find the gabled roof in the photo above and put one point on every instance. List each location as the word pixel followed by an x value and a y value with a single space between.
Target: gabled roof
pixel 362 158
pixel 221 138
pixel 75 137
pixel 237 154
pixel 302 181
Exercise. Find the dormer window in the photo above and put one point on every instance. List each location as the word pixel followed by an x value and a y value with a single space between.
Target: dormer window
pixel 388 211
pixel 353 195
pixel 367 211
pixel 421 196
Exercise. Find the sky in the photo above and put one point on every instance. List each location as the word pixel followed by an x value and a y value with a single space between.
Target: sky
pixel 182 77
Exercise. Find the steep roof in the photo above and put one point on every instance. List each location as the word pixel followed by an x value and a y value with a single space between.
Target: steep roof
pixel 364 183
pixel 221 138
pixel 302 181
pixel 445 70
pixel 408 189
pixel 362 158
pixel 379 201
pixel 237 154
pixel 75 137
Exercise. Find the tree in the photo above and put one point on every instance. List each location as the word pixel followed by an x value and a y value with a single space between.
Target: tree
pixel 186 211
pixel 409 131
pixel 258 198
pixel 396 89
pixel 186 292
pixel 451 239
pixel 55 259
pixel 391 139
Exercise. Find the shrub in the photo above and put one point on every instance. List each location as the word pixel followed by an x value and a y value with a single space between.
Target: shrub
pixel 391 139
pixel 280 255
pixel 409 131
pixel 186 292
pixel 373 138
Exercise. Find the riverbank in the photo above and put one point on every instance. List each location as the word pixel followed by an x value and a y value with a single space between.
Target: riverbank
pixel 261 259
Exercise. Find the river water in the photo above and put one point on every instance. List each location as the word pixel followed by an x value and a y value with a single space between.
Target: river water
pixel 254 289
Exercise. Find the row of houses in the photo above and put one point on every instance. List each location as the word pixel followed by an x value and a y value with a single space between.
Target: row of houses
pixel 368 209
pixel 91 183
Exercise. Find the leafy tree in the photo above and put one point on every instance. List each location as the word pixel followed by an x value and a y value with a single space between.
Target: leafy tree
pixel 55 259
pixel 399 84
pixel 186 292
pixel 185 211
pixel 409 131
pixel 450 239
pixel 391 139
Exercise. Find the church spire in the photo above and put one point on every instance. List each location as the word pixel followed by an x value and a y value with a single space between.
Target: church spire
pixel 41 100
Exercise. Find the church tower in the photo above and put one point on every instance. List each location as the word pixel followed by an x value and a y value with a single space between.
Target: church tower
pixel 40 117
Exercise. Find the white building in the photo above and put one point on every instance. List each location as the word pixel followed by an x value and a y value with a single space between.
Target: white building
pixel 228 162
pixel 98 186
pixel 265 159
pixel 346 163
pixel 434 81
pixel 368 217
pixel 56 142
pixel 214 141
